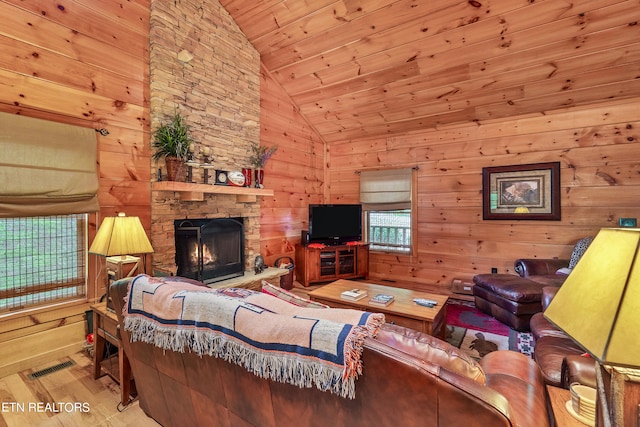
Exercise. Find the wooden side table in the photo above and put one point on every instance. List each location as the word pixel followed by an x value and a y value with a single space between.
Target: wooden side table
pixel 559 397
pixel 105 329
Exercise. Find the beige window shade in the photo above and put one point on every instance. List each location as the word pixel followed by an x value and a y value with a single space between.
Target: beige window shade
pixel 46 168
pixel 388 189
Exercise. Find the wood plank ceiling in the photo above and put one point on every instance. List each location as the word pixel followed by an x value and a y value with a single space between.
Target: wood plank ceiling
pixel 369 68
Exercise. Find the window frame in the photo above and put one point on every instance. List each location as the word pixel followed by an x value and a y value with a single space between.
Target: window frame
pixel 79 281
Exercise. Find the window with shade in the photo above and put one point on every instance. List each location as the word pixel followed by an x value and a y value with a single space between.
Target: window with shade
pixel 386 197
pixel 48 184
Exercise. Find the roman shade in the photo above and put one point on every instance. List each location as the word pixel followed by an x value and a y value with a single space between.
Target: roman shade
pixel 46 168
pixel 388 189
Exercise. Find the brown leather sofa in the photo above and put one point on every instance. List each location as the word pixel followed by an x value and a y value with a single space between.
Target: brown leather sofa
pixel 560 359
pixel 409 379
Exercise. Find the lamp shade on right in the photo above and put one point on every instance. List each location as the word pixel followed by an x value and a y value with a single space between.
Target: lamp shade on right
pixel 599 303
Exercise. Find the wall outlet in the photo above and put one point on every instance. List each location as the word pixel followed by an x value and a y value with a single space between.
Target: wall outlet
pixel 627 222
pixel 494 270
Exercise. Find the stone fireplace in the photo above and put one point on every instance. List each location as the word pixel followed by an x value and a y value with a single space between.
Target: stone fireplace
pixel 168 210
pixel 210 250
pixel 203 65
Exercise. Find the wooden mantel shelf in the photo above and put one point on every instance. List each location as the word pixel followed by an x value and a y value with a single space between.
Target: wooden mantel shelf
pixel 195 192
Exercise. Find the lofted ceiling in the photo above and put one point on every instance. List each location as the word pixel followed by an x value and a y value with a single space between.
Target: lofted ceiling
pixel 370 68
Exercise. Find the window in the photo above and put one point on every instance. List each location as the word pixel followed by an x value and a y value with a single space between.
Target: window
pixel 386 197
pixel 389 230
pixel 42 260
pixel 43 210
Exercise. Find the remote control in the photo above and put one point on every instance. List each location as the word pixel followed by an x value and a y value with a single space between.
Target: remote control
pixel 425 302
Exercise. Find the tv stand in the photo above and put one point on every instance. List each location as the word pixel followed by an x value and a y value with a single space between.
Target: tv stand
pixel 317 265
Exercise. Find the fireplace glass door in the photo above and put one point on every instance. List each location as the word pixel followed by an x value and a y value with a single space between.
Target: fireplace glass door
pixel 210 250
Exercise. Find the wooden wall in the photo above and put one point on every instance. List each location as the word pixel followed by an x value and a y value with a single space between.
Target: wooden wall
pixel 600 182
pixel 81 62
pixel 295 173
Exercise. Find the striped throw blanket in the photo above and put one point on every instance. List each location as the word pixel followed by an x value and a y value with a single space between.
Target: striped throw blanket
pixel 273 339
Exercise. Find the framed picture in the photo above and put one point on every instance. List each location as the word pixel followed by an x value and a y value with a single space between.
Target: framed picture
pixel 521 192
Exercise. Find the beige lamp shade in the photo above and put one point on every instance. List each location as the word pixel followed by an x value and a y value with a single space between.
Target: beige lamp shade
pixel 121 235
pixel 599 303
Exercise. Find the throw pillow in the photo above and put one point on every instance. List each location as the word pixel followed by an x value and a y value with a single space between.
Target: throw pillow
pixel 290 297
pixel 578 250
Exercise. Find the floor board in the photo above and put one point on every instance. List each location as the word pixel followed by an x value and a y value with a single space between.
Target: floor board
pixel 67 398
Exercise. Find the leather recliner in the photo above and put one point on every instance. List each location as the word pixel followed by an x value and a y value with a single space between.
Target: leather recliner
pixel 561 360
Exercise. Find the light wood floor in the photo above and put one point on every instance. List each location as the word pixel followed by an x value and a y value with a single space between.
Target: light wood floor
pixel 67 398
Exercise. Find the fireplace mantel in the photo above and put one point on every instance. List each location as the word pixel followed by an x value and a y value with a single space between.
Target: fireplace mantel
pixel 192 192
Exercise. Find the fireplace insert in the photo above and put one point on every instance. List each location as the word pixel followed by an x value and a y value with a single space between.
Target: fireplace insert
pixel 210 250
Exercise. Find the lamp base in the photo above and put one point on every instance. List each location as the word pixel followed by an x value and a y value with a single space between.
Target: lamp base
pixel 122 266
pixel 618 395
pixel 119 267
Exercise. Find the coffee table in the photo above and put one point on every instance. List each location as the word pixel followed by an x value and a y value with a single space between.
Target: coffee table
pixel 402 311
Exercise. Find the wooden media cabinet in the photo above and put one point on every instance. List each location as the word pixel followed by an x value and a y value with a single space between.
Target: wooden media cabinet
pixel 318 265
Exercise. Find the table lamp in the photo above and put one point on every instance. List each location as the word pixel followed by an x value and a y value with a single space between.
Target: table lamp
pixel 599 307
pixel 121 236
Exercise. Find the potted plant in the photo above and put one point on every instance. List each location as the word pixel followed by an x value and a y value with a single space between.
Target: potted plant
pixel 171 141
pixel 261 154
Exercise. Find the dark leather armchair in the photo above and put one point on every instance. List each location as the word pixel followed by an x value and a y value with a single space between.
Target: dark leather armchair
pixel 545 270
pixel 561 359
pixel 533 267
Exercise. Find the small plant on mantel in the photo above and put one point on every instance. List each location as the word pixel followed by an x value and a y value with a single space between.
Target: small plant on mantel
pixel 261 154
pixel 171 141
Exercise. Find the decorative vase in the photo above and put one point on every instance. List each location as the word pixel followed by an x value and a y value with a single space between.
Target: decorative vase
pixel 175 169
pixel 259 177
pixel 247 172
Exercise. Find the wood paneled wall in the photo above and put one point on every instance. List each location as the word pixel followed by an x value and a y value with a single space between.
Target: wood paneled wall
pixel 81 62
pixel 295 173
pixel 600 182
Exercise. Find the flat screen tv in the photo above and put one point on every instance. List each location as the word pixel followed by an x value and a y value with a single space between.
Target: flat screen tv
pixel 335 224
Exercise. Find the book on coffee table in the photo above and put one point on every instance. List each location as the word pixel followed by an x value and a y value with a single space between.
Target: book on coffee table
pixel 381 300
pixel 354 294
